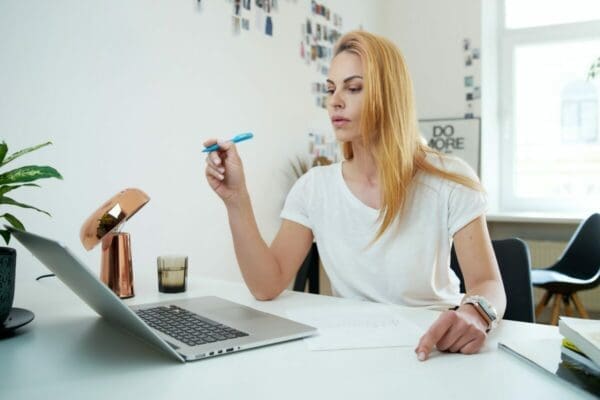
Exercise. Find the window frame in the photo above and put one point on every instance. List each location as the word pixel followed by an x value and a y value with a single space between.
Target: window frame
pixel 509 40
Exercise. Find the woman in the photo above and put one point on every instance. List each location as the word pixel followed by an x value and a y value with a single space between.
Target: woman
pixel 385 218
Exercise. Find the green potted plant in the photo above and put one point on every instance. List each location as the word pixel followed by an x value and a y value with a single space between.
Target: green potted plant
pixel 594 72
pixel 9 181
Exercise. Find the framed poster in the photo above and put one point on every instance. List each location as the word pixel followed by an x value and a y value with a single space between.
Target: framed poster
pixel 460 137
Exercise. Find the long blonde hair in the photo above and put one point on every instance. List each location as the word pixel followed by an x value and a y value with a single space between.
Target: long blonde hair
pixel 388 123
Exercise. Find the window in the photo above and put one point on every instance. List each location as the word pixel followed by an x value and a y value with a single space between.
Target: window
pixel 550 108
pixel 579 113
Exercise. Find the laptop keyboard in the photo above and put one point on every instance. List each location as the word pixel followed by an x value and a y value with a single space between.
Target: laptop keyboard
pixel 186 326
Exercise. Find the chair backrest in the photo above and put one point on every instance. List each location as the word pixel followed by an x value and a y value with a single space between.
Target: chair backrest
pixel 309 272
pixel 515 264
pixel 581 258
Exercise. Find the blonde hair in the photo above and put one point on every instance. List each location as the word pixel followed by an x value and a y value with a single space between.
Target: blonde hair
pixel 388 123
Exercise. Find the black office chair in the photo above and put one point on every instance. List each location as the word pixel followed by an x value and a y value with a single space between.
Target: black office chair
pixel 309 272
pixel 515 264
pixel 577 269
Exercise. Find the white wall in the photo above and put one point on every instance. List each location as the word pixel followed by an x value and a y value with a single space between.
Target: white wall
pixel 430 34
pixel 127 91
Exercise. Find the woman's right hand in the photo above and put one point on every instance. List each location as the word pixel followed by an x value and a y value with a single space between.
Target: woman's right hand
pixel 224 171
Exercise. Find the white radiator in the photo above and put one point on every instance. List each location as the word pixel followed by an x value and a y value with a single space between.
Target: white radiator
pixel 544 254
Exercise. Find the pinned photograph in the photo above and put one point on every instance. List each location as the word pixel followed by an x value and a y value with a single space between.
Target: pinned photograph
pixel 308 27
pixel 469 96
pixel 269 26
pixel 237 7
pixel 235 25
pixel 247 4
pixel 475 53
pixel 468 61
pixel 466 44
pixel 468 81
pixel 245 24
pixel 476 92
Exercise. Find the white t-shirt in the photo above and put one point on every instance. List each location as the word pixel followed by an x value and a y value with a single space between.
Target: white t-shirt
pixel 410 263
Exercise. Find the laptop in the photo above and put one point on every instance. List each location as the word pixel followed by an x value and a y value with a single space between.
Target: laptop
pixel 187 329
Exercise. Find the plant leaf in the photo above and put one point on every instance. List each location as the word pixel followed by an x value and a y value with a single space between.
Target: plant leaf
pixel 5 234
pixel 7 188
pixel 22 152
pixel 9 201
pixel 28 173
pixel 3 151
pixel 13 221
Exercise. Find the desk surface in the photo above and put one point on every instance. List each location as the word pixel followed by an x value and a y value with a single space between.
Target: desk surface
pixel 69 352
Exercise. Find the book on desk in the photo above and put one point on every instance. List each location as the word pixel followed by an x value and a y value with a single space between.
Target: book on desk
pixel 571 359
pixel 582 336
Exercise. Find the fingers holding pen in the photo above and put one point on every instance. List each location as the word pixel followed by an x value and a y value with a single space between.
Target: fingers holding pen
pixel 214 165
pixel 214 171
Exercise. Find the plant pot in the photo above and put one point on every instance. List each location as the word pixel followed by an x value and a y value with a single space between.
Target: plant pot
pixel 8 260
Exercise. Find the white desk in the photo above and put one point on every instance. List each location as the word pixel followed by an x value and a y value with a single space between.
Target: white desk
pixel 69 352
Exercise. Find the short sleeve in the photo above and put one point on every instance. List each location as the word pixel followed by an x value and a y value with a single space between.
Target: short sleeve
pixel 297 202
pixel 464 204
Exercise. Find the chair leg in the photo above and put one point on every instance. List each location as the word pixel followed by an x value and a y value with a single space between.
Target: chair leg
pixel 568 308
pixel 542 304
pixel 579 306
pixel 556 309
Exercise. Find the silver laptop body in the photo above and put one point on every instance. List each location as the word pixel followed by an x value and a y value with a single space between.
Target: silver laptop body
pixel 260 328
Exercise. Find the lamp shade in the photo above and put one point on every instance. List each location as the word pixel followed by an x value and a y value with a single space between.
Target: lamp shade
pixel 111 215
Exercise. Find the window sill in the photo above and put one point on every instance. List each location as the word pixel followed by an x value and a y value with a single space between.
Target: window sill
pixel 535 218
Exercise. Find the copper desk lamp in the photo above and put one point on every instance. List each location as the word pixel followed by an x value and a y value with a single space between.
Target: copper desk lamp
pixel 104 225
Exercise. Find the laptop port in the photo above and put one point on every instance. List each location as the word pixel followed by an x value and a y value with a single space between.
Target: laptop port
pixel 230 349
pixel 220 351
pixel 212 353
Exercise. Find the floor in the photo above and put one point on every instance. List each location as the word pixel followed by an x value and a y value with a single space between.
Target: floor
pixel 545 317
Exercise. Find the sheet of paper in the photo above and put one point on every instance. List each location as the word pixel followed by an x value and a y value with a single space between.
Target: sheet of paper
pixel 355 326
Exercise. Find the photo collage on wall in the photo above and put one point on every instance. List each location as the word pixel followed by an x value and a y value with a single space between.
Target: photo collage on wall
pixel 319 33
pixel 323 148
pixel 263 15
pixel 472 85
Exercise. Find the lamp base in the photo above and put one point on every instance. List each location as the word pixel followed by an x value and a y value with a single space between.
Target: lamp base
pixel 116 267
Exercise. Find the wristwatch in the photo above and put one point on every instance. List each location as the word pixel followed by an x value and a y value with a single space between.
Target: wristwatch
pixel 484 308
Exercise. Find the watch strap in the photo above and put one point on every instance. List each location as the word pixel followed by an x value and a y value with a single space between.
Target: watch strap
pixel 484 308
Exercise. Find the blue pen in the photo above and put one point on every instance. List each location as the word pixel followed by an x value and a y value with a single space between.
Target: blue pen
pixel 238 138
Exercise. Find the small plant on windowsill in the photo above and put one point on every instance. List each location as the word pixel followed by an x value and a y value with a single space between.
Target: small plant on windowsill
pixel 18 178
pixel 594 72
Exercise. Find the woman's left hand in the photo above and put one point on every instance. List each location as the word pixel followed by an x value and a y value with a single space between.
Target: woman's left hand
pixel 462 331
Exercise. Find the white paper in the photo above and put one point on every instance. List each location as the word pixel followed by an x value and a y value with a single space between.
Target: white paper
pixel 356 326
